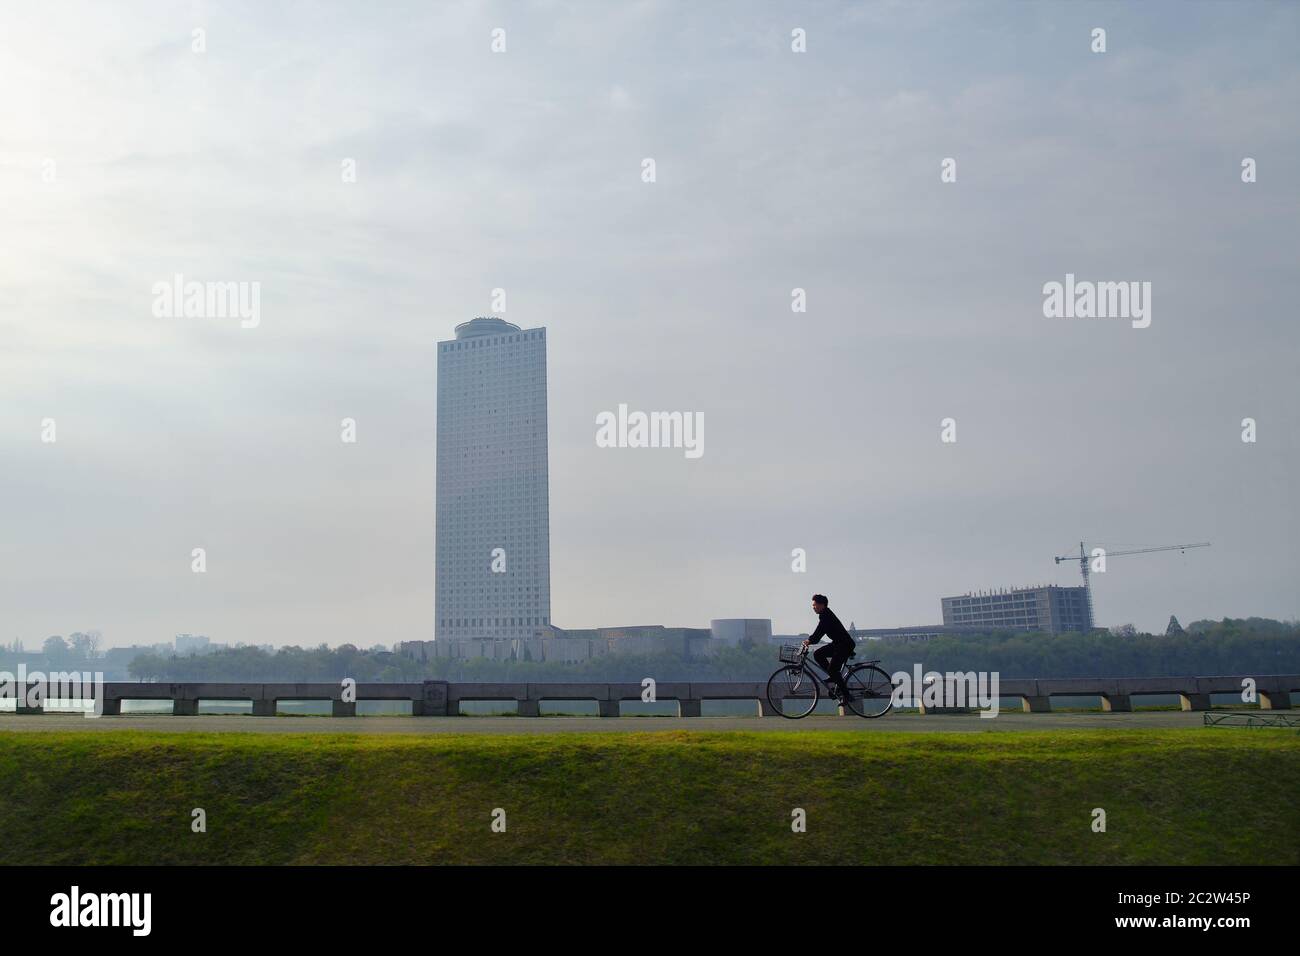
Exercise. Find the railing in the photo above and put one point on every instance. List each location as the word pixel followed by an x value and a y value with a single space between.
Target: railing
pixel 1251 719
pixel 443 698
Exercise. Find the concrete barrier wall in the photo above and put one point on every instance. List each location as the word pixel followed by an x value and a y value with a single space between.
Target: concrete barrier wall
pixel 442 698
pixel 428 698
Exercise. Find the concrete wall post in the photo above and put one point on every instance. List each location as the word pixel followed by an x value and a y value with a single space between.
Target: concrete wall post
pixel 1274 700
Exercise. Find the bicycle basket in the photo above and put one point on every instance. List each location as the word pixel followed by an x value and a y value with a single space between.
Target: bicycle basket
pixel 790 653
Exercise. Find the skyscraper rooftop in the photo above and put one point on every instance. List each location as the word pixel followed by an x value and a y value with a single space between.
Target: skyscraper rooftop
pixel 484 325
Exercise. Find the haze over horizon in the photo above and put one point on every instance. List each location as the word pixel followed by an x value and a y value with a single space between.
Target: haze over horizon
pixel 522 171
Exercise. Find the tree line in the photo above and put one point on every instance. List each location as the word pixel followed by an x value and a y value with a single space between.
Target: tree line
pixel 1204 648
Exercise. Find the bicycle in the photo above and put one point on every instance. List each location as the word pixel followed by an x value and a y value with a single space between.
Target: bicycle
pixel 793 690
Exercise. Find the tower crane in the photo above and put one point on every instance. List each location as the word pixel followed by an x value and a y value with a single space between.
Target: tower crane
pixel 1085 567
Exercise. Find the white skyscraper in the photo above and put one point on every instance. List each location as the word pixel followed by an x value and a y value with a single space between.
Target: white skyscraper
pixel 493 511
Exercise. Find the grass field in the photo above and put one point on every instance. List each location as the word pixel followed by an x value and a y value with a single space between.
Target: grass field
pixel 1196 796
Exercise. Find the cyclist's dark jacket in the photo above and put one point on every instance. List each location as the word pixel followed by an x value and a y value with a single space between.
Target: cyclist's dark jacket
pixel 829 625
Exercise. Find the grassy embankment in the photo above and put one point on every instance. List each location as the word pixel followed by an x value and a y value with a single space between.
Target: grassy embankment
pixel 1201 795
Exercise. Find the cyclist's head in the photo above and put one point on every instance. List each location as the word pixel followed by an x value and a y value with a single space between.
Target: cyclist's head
pixel 820 603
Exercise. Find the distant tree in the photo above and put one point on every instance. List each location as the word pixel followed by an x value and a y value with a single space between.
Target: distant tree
pixel 55 646
pixel 85 645
pixel 1174 629
pixel 1233 646
pixel 147 667
pixel 1124 630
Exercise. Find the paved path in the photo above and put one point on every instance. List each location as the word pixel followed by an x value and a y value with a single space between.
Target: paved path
pixel 1008 721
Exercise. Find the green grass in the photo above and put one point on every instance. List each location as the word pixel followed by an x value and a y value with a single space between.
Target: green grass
pixel 1195 796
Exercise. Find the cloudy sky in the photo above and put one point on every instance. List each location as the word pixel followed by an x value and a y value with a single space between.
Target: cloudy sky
pixel 126 158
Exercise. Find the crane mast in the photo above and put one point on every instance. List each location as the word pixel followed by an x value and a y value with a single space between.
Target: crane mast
pixel 1085 566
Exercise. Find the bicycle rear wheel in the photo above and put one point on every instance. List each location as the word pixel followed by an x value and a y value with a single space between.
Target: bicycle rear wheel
pixel 792 692
pixel 871 691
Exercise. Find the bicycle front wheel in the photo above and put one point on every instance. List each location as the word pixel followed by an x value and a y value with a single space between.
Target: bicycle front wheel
pixel 871 691
pixel 792 692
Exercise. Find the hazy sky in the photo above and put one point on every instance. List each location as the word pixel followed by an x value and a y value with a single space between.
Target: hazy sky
pixel 522 170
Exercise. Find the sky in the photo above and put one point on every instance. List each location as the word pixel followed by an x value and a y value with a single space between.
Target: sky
pixel 128 156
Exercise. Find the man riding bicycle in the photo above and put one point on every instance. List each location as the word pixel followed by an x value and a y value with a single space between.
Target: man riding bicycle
pixel 831 657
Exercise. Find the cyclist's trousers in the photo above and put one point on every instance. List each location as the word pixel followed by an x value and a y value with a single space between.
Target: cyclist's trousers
pixel 832 656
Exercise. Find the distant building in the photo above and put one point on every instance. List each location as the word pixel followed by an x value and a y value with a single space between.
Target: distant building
pixel 889 635
pixel 552 643
pixel 734 631
pixel 121 657
pixel 1053 609
pixel 117 660
pixel 187 644
pixel 641 639
pixel 493 560
pixel 909 635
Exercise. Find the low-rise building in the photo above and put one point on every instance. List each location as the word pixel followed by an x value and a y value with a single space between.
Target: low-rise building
pixel 741 631
pixel 187 644
pixel 1050 608
pixel 551 643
